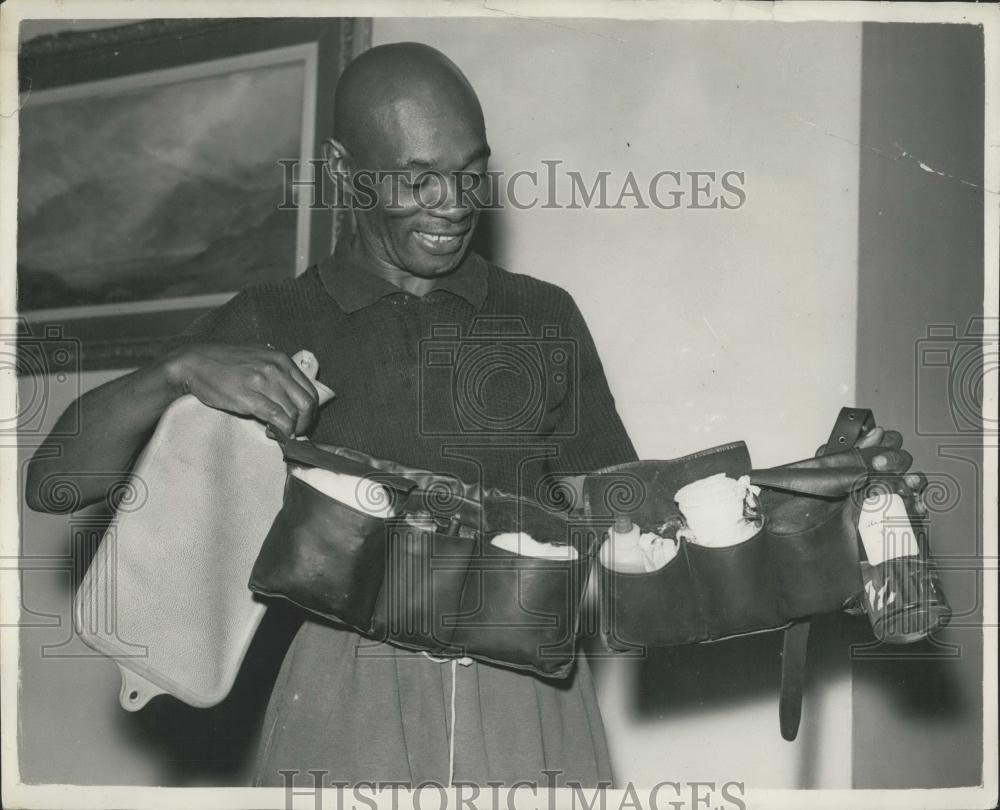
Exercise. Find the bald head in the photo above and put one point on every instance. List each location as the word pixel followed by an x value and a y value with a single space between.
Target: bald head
pixel 406 116
pixel 404 91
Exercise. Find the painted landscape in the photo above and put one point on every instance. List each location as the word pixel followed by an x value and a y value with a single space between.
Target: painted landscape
pixel 164 191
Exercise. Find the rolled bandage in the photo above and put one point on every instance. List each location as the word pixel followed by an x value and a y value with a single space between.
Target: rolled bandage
pixel 361 494
pixel 715 509
pixel 528 546
pixel 725 535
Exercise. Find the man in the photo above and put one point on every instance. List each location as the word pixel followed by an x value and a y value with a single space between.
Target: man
pixel 353 709
pixel 340 704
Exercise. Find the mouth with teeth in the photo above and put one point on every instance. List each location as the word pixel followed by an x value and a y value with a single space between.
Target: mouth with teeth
pixel 439 243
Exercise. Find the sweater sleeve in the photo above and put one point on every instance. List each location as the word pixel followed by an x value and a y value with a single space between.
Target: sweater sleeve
pixel 236 322
pixel 588 429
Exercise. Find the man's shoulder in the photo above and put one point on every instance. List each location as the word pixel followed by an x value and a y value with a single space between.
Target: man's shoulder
pixel 276 294
pixel 257 314
pixel 506 285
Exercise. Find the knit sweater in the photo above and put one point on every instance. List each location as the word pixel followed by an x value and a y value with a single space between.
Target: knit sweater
pixel 492 377
pixel 500 393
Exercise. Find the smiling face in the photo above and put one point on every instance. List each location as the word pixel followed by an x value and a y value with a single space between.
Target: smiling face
pixel 415 140
pixel 422 223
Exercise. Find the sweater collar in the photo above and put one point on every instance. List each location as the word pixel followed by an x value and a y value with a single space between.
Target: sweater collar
pixel 354 286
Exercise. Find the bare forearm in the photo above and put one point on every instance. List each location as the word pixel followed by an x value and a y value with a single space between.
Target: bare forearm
pixel 115 420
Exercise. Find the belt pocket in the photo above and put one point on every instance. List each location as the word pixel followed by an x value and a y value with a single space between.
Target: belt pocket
pixel 323 555
pixel 812 544
pixel 425 575
pixel 736 587
pixel 657 609
pixel 523 610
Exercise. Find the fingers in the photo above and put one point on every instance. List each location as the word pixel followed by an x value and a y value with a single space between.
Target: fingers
pixel 892 439
pixel 266 410
pixel 270 399
pixel 289 398
pixel 300 390
pixel 916 482
pixel 876 437
pixel 892 461
pixel 873 438
pixel 880 437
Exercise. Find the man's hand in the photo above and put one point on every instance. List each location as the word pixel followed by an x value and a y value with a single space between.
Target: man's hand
pixel 262 383
pixel 894 460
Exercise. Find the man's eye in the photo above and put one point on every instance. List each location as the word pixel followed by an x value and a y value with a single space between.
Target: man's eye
pixel 418 182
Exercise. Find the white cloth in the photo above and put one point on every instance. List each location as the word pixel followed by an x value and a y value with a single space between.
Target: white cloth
pixel 528 546
pixel 656 551
pixel 362 494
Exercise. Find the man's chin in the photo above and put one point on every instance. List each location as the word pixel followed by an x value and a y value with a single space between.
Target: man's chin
pixel 434 266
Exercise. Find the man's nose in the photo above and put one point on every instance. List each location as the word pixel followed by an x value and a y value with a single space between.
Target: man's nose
pixel 455 204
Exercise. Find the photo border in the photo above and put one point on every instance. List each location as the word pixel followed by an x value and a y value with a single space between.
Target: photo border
pixel 53 796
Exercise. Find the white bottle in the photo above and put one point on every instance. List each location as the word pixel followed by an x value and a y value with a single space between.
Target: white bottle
pixel 620 551
pixel 885 528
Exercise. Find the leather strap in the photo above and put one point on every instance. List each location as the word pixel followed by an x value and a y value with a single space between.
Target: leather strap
pixel 344 461
pixel 850 425
pixel 793 674
pixel 826 482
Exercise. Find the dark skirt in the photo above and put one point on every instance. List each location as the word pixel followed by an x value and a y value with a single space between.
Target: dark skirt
pixel 363 711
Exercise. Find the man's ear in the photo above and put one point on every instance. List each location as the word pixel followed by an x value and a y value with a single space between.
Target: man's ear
pixel 337 162
pixel 336 157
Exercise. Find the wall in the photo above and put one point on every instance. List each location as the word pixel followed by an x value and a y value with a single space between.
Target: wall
pixel 72 728
pixel 83 737
pixel 920 254
pixel 713 325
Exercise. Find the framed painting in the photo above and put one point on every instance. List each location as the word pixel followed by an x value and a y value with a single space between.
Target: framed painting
pixel 161 170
